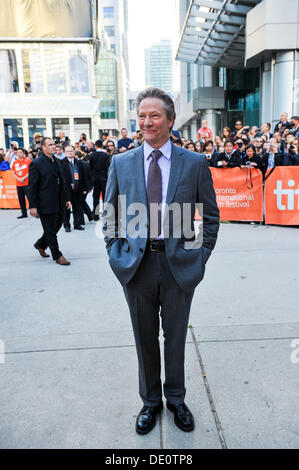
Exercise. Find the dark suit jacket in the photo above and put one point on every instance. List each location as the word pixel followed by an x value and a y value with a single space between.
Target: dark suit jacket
pixel 87 174
pixel 190 181
pixel 99 165
pixel 290 159
pixel 47 189
pixel 278 161
pixel 83 183
pixel 233 162
pixel 255 159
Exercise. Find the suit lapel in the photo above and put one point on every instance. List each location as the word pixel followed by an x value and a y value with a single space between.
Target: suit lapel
pixel 46 159
pixel 177 162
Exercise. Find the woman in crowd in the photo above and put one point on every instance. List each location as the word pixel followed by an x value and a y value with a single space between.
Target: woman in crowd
pixel 189 145
pixel 198 146
pixel 251 159
pixel 218 143
pixel 259 146
pixel 110 147
pixel 226 134
pixel 209 152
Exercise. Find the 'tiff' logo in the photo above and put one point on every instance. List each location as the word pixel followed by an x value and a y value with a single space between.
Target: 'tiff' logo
pixel 2 352
pixel 290 193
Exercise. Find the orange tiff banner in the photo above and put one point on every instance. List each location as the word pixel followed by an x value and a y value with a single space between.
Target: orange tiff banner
pixel 282 196
pixel 8 191
pixel 239 193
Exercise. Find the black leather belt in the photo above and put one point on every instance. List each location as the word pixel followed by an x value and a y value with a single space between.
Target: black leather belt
pixel 156 245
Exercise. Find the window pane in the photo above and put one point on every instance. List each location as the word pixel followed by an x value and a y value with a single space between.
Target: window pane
pixel 78 72
pixel 13 129
pixel 108 12
pixel 36 125
pixel 9 74
pixel 82 126
pixel 60 125
pixel 33 71
pixel 110 30
pixel 106 79
pixel 56 70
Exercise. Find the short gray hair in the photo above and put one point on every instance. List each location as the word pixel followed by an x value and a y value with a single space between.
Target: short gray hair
pixel 153 92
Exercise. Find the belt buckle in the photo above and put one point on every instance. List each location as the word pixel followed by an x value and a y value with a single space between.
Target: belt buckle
pixel 152 245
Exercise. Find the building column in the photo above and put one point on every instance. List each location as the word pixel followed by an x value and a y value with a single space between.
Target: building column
pixel 266 86
pixel 194 130
pixel 210 80
pixel 283 93
pixel 296 86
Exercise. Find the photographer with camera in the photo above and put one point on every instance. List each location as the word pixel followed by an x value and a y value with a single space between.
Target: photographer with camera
pixel 35 145
pixel 295 126
pixel 251 159
pixel 243 131
pixel 283 124
pixel 265 131
pixel 11 155
pixel 272 157
pixel 291 157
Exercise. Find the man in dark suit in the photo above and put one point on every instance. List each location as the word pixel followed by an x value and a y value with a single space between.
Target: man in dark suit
pixel 99 164
pixel 158 263
pixel 47 194
pixel 75 179
pixel 88 181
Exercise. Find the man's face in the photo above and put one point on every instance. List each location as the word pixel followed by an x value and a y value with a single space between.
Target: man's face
pixel 89 144
pixel 61 135
pixel 265 128
pixel 58 151
pixel 153 122
pixel 283 117
pixel 238 125
pixel 49 148
pixel 69 152
pixel 110 146
pixel 124 133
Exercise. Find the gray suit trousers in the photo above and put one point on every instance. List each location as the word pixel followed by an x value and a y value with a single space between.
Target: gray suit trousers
pixel 153 291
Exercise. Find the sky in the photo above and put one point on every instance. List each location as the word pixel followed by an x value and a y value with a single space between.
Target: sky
pixel 150 21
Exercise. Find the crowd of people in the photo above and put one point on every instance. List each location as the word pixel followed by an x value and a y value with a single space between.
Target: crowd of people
pixel 244 147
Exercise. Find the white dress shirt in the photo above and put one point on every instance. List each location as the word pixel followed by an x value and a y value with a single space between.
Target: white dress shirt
pixel 164 163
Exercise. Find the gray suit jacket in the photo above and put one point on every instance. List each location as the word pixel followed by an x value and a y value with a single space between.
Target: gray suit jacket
pixel 190 181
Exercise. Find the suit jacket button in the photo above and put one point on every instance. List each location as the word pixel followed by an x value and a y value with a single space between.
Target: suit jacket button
pixel 141 250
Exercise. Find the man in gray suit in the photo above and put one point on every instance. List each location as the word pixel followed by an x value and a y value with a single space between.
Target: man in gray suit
pixel 157 262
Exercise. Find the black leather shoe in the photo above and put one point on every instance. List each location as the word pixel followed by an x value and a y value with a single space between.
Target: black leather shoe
pixel 183 417
pixel 79 227
pixel 146 419
pixel 67 229
pixel 23 216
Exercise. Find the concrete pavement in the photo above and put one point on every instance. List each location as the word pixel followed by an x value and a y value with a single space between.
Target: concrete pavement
pixel 70 374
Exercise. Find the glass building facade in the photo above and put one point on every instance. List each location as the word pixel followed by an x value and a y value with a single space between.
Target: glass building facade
pixel 242 95
pixel 106 80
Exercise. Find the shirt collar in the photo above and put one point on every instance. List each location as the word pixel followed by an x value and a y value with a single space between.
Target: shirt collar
pixel 165 149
